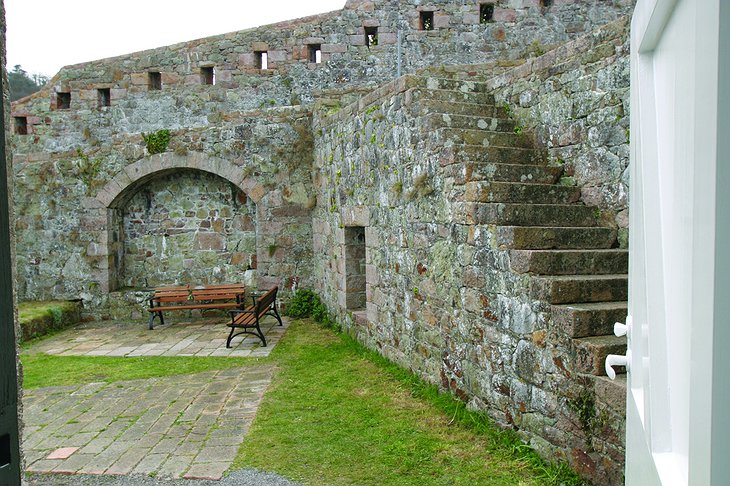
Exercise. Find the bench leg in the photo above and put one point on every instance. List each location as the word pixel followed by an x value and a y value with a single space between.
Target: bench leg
pixel 152 319
pixel 256 333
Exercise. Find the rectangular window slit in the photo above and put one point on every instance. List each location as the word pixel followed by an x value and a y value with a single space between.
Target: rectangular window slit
pixel 154 80
pixel 426 20
pixel 486 13
pixel 63 101
pixel 21 125
pixel 371 36
pixel 262 59
pixel 315 53
pixel 207 75
pixel 104 97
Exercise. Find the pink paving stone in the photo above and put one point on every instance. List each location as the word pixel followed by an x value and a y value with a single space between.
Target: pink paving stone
pixel 62 453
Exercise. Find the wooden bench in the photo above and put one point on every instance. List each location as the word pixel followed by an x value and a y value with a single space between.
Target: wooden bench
pixel 248 319
pixel 223 296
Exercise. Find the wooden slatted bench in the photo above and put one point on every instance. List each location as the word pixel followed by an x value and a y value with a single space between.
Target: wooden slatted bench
pixel 188 297
pixel 248 319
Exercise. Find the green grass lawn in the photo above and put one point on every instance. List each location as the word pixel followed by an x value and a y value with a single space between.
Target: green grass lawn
pixel 336 413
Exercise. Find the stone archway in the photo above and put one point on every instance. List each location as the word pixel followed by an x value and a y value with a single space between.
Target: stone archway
pixel 117 193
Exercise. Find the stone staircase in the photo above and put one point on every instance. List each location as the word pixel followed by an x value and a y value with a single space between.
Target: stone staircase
pixel 573 261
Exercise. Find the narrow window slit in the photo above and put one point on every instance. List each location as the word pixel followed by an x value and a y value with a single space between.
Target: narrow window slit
pixel 315 53
pixel 262 59
pixel 371 36
pixel 63 101
pixel 207 75
pixel 21 125
pixel 426 20
pixel 154 80
pixel 104 97
pixel 486 13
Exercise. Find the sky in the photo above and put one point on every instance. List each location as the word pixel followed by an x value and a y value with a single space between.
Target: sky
pixel 45 35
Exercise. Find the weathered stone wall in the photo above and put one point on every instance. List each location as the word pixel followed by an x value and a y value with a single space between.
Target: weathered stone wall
pixel 576 99
pixel 71 230
pixel 442 296
pixel 188 227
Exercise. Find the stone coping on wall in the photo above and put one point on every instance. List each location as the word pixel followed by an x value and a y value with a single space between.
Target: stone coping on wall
pixel 553 61
pixel 496 74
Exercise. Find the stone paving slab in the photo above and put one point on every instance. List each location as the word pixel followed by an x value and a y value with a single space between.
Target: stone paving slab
pixel 187 426
pixel 199 337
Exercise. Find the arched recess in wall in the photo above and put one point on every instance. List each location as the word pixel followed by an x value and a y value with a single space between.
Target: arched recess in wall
pixel 175 219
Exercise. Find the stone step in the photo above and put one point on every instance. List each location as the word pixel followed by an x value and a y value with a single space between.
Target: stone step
pixel 559 238
pixel 583 320
pixel 446 120
pixel 515 214
pixel 575 289
pixel 570 262
pixel 539 174
pixel 518 192
pixel 497 155
pixel 591 352
pixel 485 171
pixel 486 138
pixel 611 393
pixel 452 84
pixel 450 95
pixel 426 106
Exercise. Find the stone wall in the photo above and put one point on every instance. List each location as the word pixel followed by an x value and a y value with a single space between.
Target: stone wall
pixel 576 99
pixel 72 232
pixel 443 297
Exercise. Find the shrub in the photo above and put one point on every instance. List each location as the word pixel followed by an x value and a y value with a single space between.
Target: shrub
pixel 306 303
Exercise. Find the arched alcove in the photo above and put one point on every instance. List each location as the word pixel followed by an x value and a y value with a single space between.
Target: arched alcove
pixel 180 219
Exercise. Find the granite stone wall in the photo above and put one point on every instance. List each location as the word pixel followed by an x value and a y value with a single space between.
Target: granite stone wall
pixel 444 297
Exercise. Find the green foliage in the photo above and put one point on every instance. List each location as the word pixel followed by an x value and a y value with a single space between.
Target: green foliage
pixel 306 303
pixel 584 406
pixel 157 142
pixel 88 169
pixel 22 84
pixel 518 129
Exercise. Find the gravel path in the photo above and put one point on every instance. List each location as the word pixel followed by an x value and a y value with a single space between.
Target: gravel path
pixel 243 477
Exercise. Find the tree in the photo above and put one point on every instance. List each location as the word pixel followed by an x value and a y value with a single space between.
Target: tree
pixel 21 84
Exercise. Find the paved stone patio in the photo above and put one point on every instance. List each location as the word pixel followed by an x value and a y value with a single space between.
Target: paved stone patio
pixel 188 426
pixel 198 337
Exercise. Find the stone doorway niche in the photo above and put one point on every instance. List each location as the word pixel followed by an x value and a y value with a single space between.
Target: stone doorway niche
pixel 186 226
pixel 355 282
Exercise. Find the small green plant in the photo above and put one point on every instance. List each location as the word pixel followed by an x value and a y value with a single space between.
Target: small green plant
pixel 584 406
pixel 506 108
pixel 156 142
pixel 518 129
pixel 272 250
pixel 306 303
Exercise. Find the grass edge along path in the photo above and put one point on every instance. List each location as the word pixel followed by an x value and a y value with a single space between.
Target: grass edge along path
pixel 43 370
pixel 338 413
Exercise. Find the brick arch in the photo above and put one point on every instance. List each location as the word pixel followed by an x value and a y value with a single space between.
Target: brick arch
pixel 124 184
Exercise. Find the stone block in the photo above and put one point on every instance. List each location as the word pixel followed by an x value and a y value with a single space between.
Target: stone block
pixel 169 78
pixel 259 46
pixel 277 56
pixel 313 40
pixel 504 15
pixel 139 79
pixel 331 48
pixel 209 241
pixel 118 93
pixel 441 20
pixel 387 38
pixel 357 40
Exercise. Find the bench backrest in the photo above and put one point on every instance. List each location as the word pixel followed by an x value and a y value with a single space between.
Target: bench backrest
pixel 265 301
